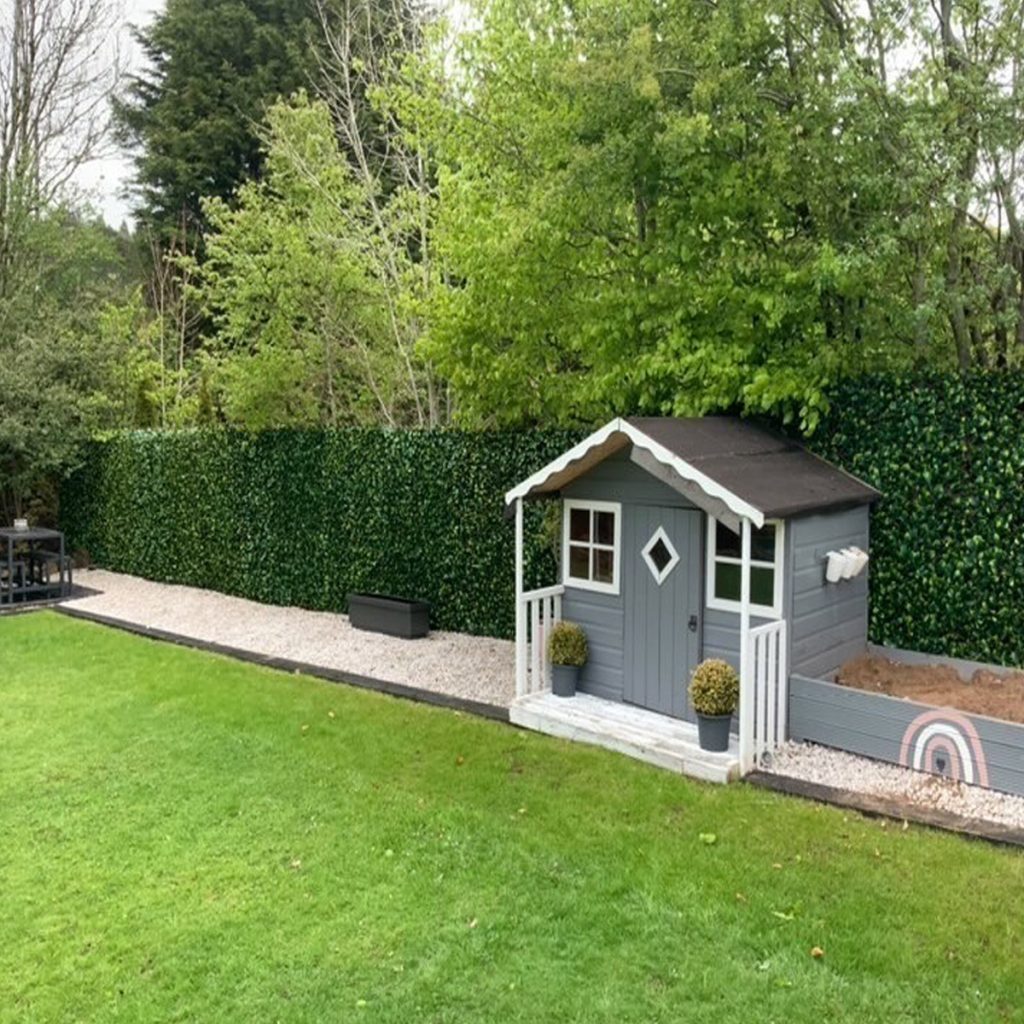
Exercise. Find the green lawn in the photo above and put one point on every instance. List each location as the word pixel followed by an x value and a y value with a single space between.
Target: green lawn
pixel 187 838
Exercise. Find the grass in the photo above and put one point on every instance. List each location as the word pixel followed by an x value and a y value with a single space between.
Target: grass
pixel 187 838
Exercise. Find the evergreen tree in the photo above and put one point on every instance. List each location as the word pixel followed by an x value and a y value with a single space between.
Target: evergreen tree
pixel 193 115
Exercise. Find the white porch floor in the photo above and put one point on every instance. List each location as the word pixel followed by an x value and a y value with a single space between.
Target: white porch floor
pixel 645 735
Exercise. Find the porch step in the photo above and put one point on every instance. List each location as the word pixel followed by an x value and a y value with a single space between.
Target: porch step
pixel 645 735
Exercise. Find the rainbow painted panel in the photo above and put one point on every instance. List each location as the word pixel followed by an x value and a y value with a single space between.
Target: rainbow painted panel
pixel 973 749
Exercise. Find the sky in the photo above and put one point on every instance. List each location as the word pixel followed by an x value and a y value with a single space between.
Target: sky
pixel 104 179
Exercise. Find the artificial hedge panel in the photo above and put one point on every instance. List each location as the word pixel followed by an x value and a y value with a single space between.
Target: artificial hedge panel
pixel 947 539
pixel 305 517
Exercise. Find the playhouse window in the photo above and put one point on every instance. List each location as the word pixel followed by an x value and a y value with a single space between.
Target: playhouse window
pixel 590 545
pixel 724 568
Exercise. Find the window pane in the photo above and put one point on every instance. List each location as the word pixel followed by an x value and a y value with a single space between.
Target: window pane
pixel 579 524
pixel 604 564
pixel 605 527
pixel 762 543
pixel 727 581
pixel 726 542
pixel 579 562
pixel 762 586
pixel 660 555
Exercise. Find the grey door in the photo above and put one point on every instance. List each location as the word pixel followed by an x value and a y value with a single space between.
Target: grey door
pixel 662 593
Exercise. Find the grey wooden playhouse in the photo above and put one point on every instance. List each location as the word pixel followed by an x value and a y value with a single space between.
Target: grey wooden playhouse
pixel 684 539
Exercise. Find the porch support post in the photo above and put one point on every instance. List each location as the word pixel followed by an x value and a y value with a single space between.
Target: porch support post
pixel 520 606
pixel 746 668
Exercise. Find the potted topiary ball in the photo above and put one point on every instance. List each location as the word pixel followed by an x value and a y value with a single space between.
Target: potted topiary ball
pixel 715 692
pixel 567 650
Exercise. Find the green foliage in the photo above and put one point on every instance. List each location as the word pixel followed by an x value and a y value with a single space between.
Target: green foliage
pixel 66 368
pixel 305 517
pixel 213 68
pixel 647 207
pixel 947 544
pixel 301 329
pixel 714 687
pixel 567 644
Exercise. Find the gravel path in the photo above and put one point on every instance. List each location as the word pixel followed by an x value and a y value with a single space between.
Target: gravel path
pixel 471 667
pixel 862 775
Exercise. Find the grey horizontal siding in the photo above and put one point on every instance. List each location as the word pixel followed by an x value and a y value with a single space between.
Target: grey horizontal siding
pixel 874 725
pixel 602 618
pixel 828 622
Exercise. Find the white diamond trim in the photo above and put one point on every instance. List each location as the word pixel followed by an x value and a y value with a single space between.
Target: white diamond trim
pixel 660 575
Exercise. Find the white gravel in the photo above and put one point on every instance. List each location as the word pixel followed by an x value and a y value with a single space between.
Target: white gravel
pixel 828 767
pixel 471 667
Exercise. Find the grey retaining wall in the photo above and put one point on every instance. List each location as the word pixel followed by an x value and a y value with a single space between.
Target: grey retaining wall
pixel 983 751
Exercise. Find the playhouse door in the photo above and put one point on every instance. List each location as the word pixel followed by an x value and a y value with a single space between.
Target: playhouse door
pixel 662 576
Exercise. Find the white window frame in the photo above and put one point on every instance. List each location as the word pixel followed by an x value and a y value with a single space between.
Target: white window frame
pixel 616 547
pixel 723 604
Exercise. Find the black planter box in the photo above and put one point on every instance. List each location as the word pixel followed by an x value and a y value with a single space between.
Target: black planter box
pixel 392 615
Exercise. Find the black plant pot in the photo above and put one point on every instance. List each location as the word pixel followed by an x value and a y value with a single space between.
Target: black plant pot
pixel 713 731
pixel 564 679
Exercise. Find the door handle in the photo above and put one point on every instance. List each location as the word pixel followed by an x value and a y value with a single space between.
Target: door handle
pixel 692 624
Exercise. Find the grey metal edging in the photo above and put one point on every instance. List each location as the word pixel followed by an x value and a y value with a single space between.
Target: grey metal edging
pixel 495 712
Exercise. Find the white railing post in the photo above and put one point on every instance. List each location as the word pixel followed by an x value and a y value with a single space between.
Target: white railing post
pixel 782 686
pixel 746 659
pixel 520 605
pixel 769 671
pixel 540 610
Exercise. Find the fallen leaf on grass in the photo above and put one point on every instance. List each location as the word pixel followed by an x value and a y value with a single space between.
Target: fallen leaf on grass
pixel 817 952
pixel 460 760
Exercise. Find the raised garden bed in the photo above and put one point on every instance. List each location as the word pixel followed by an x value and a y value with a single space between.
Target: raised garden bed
pixel 946 741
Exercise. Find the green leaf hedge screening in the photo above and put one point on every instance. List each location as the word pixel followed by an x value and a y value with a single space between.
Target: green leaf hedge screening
pixel 947 539
pixel 305 517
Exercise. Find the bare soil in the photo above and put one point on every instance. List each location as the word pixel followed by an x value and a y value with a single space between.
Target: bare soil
pixel 985 693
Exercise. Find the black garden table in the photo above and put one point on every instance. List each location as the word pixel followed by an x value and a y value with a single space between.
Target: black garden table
pixel 30 556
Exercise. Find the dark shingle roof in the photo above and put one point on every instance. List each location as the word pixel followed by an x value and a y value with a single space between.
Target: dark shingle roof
pixel 770 472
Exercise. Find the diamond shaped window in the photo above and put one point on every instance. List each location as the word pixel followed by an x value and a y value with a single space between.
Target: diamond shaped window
pixel 660 555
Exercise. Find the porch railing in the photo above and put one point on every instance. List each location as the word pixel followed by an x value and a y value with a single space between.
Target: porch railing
pixel 539 609
pixel 764 704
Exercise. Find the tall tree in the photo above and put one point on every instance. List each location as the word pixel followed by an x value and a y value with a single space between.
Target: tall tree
pixel 214 66
pixel 368 49
pixel 57 70
pixel 308 325
pixel 678 206
pixel 58 267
